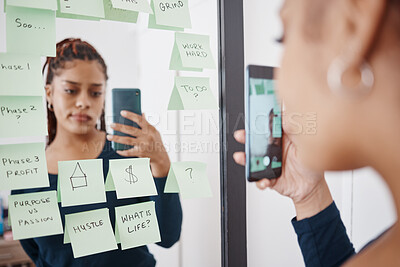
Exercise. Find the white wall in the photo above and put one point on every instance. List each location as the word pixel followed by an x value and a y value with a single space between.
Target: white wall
pixel 361 196
pixel 138 57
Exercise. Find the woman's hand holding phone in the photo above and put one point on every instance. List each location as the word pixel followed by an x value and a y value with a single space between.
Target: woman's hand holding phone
pixel 307 189
pixel 147 143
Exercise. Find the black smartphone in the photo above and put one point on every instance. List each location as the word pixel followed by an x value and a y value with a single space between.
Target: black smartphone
pixel 263 125
pixel 125 99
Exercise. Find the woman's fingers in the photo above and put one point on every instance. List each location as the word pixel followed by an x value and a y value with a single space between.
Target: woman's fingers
pixel 265 183
pixel 126 140
pixel 139 119
pixel 240 136
pixel 126 129
pixel 240 158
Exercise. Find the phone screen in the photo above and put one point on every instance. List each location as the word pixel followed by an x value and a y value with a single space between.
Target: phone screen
pixel 264 128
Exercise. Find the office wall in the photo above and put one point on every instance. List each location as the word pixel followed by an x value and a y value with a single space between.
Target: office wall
pixel 362 197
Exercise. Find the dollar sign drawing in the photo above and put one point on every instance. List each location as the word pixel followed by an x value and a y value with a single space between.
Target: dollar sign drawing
pixel 190 173
pixel 132 177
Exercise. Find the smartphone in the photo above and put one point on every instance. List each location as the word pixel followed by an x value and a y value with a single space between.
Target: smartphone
pixel 263 125
pixel 125 99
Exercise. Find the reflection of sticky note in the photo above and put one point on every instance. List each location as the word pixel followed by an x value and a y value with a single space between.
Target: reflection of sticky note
pixel 90 232
pixel 31 31
pixel 34 215
pixel 20 75
pixel 191 52
pixel 259 89
pixel 188 178
pixel 133 5
pixel 153 24
pixel 117 14
pixel 92 8
pixel 131 178
pixel 137 225
pixel 59 14
pixel 277 127
pixel 173 14
pixel 23 166
pixel 41 4
pixel 257 164
pixel 81 182
pixel 22 116
pixel 192 93
pixel 276 164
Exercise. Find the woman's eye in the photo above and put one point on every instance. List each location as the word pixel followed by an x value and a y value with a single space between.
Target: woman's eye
pixel 97 94
pixel 69 91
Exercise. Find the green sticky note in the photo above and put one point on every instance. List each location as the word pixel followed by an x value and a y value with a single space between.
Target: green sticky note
pixel 90 232
pixel 174 14
pixel 257 164
pixel 137 225
pixel 109 185
pixel 81 182
pixel 276 164
pixel 41 4
pixel 22 116
pixel 91 8
pixel 35 215
pixel 277 127
pixel 135 5
pixel 191 52
pixel 67 240
pixel 116 14
pixel 31 31
pixel 259 89
pixel 23 166
pixel 132 177
pixel 58 191
pixel 59 14
pixel 191 178
pixel 20 75
pixel 153 24
pixel 192 93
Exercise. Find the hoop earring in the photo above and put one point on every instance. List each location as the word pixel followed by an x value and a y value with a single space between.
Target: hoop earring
pixel 50 107
pixel 335 76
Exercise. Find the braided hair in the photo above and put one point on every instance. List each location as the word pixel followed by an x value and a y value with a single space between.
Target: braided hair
pixel 66 51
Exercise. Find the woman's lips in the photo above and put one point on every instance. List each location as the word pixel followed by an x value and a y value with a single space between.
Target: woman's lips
pixel 81 117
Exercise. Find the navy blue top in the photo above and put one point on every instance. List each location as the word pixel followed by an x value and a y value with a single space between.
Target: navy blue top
pixel 323 239
pixel 51 250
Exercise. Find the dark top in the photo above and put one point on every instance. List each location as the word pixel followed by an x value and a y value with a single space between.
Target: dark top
pixel 323 240
pixel 51 250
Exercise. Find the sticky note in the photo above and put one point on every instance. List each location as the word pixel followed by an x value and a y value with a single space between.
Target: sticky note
pixel 137 225
pixel 31 31
pixel 41 4
pixel 20 75
pixel 153 24
pixel 92 8
pixel 81 182
pixel 192 93
pixel 23 166
pixel 90 232
pixel 133 5
pixel 116 14
pixel 34 215
pixel 191 52
pixel 59 14
pixel 131 178
pixel 276 164
pixel 277 127
pixel 188 178
pixel 22 116
pixel 172 13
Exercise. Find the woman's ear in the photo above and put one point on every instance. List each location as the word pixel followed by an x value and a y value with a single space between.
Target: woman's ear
pixel 363 20
pixel 49 93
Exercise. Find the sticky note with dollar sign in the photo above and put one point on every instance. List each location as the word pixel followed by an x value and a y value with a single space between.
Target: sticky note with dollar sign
pixel 131 177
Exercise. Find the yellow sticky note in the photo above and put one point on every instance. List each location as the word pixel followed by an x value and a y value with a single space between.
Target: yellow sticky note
pixel 192 93
pixel 188 178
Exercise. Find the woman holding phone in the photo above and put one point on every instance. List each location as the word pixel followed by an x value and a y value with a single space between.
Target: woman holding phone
pixel 342 61
pixel 75 92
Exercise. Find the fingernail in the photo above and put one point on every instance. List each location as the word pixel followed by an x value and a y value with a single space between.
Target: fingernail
pixel 123 112
pixel 263 184
pixel 109 137
pixel 112 125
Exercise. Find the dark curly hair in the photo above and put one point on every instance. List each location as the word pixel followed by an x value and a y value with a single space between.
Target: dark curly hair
pixel 66 51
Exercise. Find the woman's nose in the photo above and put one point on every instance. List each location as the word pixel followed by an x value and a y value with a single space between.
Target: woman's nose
pixel 82 102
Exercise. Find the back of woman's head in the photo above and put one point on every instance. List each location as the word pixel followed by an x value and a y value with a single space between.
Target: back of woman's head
pixel 67 51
